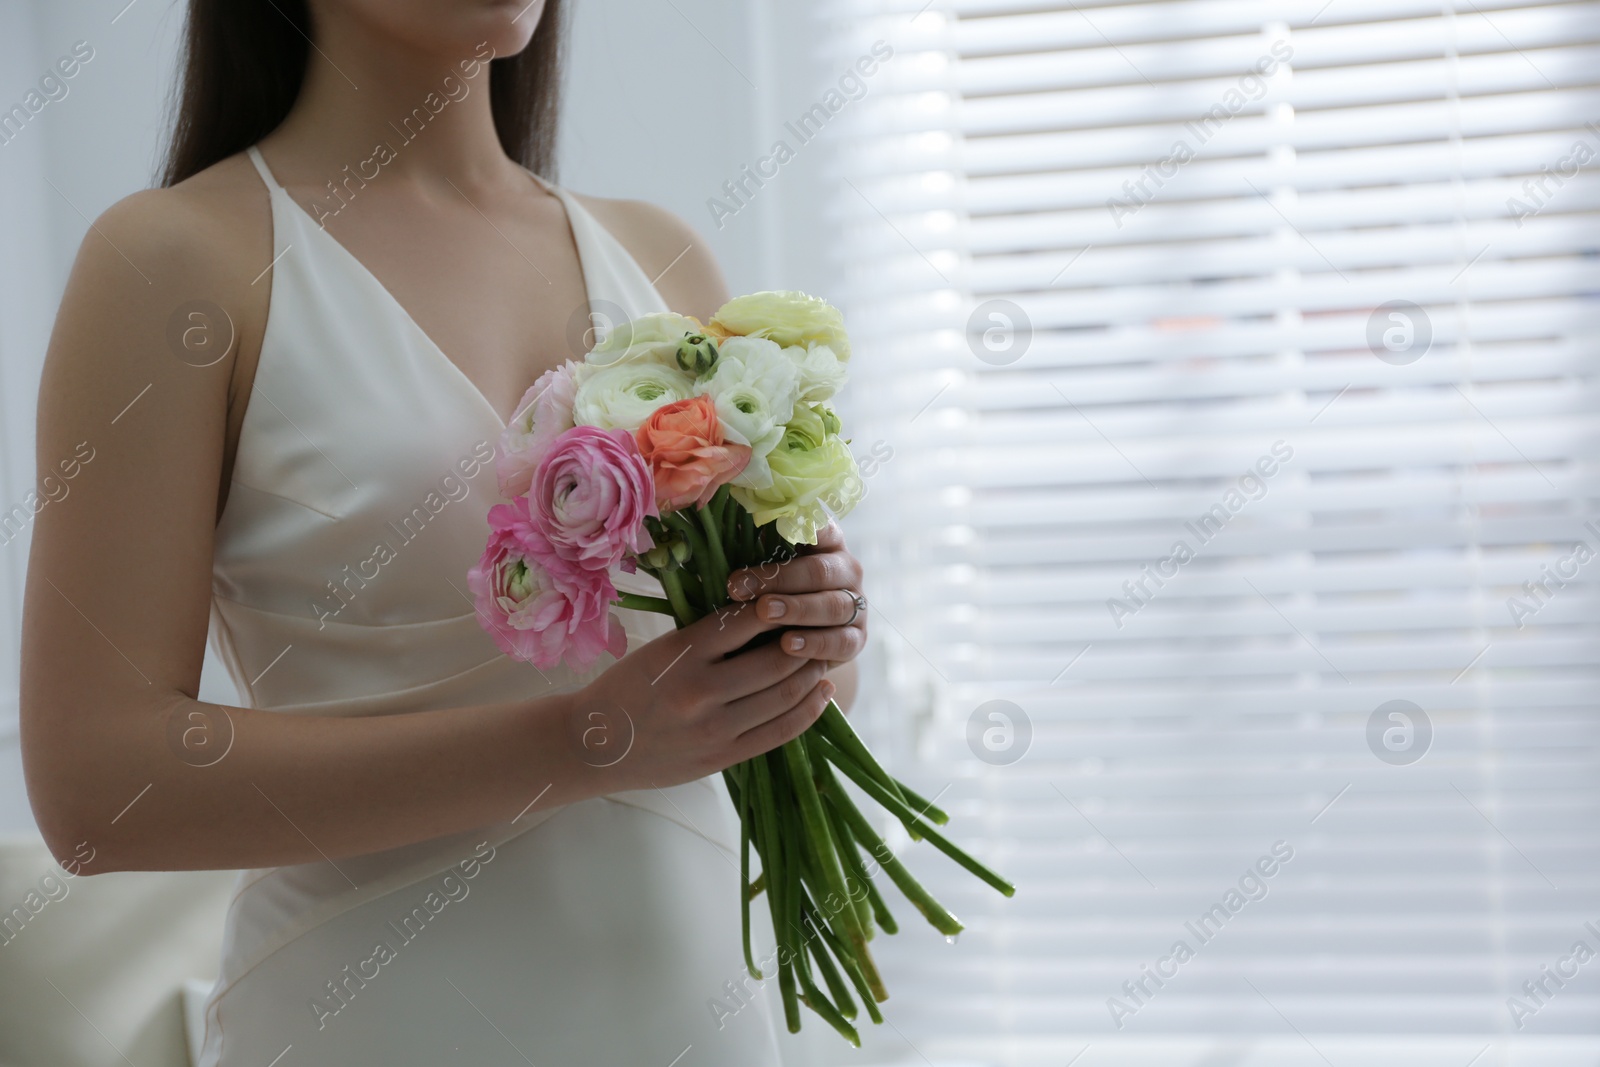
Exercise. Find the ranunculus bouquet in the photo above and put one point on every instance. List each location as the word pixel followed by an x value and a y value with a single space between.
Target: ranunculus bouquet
pixel 687 452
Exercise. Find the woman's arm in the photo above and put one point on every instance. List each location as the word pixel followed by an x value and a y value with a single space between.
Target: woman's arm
pixel 117 606
pixel 117 603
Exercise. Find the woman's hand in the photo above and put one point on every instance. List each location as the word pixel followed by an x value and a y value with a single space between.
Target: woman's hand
pixel 691 702
pixel 818 590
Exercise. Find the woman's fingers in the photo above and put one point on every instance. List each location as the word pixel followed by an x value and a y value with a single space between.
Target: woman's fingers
pixel 818 569
pixel 803 574
pixel 770 701
pixel 726 630
pixel 837 644
pixel 829 539
pixel 751 672
pixel 833 607
pixel 776 718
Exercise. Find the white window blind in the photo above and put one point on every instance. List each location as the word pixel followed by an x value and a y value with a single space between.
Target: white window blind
pixel 1310 291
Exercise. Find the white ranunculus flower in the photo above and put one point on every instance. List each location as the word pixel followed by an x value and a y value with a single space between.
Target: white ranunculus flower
pixel 822 372
pixel 622 395
pixel 755 386
pixel 647 339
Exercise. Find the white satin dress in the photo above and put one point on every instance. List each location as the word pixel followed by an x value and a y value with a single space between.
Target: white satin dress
pixel 600 934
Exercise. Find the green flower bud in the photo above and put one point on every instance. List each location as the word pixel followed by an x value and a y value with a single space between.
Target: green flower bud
pixel 658 557
pixel 681 551
pixel 830 421
pixel 697 354
pixel 520 583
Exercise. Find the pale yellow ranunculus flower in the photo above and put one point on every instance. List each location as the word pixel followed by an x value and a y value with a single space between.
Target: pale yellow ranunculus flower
pixel 810 468
pixel 787 317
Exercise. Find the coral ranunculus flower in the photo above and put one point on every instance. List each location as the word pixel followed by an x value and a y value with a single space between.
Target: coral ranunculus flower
pixel 683 444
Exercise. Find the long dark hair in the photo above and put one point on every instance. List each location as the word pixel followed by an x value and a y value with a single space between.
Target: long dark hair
pixel 244 61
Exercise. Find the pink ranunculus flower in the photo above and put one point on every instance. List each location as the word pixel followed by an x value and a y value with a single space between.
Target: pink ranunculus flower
pixel 543 414
pixel 590 497
pixel 682 442
pixel 538 607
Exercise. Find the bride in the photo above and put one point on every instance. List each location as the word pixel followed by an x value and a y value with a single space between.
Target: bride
pixel 291 366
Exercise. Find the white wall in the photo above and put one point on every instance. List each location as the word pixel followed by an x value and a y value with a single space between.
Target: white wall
pixel 656 111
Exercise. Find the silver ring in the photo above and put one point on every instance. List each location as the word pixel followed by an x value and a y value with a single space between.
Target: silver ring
pixel 861 602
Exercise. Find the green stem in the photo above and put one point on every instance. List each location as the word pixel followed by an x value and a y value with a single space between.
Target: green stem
pixel 880 907
pixel 831 794
pixel 857 870
pixel 836 728
pixel 747 535
pixel 788 914
pixel 710 522
pixel 920 898
pixel 671 579
pixel 729 511
pixel 899 810
pixel 921 804
pixel 817 1002
pixel 854 869
pixel 845 762
pixel 818 834
pixel 853 970
pixel 838 992
pixel 824 855
pixel 701 552
pixel 742 801
pixel 820 893
pixel 791 1000
pixel 772 868
pixel 639 602
pixel 801 910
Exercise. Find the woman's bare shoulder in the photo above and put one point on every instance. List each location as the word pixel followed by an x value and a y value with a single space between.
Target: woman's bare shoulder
pixel 672 253
pixel 164 273
pixel 210 227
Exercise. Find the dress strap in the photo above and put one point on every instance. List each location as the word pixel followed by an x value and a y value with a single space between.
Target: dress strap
pixel 262 168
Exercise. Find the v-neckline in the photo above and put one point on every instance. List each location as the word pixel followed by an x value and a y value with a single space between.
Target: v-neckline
pixel 394 301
